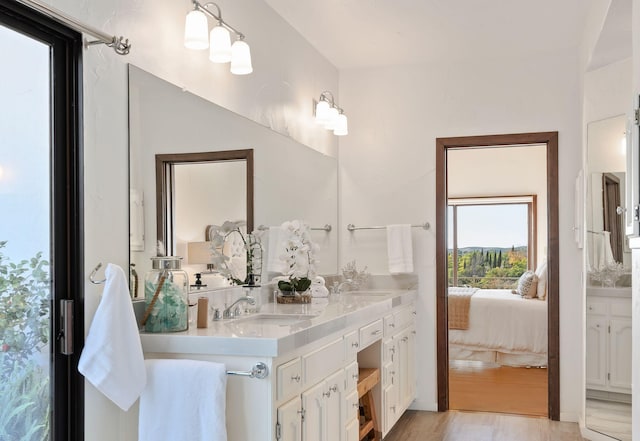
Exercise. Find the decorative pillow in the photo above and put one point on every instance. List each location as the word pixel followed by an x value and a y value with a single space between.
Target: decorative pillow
pixel 541 272
pixel 527 285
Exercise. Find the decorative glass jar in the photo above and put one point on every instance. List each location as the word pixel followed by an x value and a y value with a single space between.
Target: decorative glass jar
pixel 166 292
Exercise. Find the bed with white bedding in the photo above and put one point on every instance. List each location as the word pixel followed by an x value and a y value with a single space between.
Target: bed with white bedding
pixel 503 328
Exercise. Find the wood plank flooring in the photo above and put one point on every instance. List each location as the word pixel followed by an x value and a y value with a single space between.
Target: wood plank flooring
pixel 478 426
pixel 485 387
pixel 610 418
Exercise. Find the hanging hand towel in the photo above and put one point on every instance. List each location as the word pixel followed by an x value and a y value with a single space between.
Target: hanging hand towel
pixel 112 358
pixel 183 400
pixel 399 249
pixel 275 249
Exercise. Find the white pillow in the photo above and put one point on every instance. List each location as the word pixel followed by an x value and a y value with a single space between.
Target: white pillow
pixel 541 272
pixel 527 285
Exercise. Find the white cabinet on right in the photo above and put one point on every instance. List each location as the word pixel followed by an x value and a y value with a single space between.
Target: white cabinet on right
pixel 608 341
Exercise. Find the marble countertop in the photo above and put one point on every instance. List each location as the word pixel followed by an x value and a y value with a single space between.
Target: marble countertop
pixel 246 337
pixel 605 291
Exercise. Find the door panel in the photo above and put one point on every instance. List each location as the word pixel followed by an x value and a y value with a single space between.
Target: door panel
pixel 41 395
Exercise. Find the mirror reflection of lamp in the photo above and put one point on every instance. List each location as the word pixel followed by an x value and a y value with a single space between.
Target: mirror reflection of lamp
pixel 199 253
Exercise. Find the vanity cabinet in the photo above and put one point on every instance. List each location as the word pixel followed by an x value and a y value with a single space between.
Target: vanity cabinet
pixel 398 373
pixel 311 391
pixel 608 341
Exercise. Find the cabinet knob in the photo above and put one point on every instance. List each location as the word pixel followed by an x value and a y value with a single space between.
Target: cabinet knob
pixel 355 376
pixel 392 325
pixel 334 388
pixel 296 378
pixel 597 326
pixel 326 394
pixel 355 344
pixel 376 332
pixel 393 408
pixel 590 308
pixel 414 332
pixel 404 339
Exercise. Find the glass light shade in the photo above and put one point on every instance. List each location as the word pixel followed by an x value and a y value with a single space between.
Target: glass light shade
pixel 332 118
pixel 322 112
pixel 196 31
pixel 220 45
pixel 341 127
pixel 240 58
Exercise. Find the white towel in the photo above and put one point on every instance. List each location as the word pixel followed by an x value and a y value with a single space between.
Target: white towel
pixel 183 400
pixel 318 280
pixel 602 253
pixel 112 358
pixel 275 250
pixel 319 291
pixel 399 249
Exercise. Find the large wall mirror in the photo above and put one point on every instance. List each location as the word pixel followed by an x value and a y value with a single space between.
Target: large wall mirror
pixel 193 164
pixel 608 259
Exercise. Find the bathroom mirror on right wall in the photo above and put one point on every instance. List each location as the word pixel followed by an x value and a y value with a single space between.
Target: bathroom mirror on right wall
pixel 608 260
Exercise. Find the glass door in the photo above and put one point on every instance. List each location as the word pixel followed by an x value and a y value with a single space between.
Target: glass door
pixel 40 246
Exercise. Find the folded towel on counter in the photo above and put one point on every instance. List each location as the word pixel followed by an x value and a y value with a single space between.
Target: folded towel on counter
pixel 399 249
pixel 275 248
pixel 318 280
pixel 112 358
pixel 319 291
pixel 183 400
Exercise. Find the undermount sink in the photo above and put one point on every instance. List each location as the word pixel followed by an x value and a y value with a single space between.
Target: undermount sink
pixel 274 319
pixel 367 293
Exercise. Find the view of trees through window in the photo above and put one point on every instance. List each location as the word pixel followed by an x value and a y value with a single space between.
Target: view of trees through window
pixel 492 243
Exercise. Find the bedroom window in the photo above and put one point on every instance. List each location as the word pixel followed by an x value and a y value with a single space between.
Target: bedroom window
pixel 491 240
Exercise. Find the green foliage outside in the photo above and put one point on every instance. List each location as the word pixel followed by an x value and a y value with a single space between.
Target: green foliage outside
pixel 494 268
pixel 24 334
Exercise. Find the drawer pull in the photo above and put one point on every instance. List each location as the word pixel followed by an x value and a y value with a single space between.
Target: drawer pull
pixel 354 376
pixel 355 344
pixel 334 388
pixel 414 332
pixel 392 349
pixel 590 308
pixel 376 332
pixel 392 325
pixel 414 313
pixel 393 408
pixel 404 339
pixel 392 373
pixel 296 378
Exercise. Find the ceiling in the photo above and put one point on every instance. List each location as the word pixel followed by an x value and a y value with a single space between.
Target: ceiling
pixel 614 41
pixel 365 33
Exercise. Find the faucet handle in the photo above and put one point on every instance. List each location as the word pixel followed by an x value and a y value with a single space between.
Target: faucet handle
pixel 217 314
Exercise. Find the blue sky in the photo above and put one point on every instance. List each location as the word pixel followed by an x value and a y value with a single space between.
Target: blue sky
pixel 487 226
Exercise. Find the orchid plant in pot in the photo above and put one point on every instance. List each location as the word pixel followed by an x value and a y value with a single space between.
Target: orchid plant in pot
pixel 299 258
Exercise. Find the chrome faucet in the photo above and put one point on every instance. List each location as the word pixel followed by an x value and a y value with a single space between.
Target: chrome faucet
pixel 337 287
pixel 229 312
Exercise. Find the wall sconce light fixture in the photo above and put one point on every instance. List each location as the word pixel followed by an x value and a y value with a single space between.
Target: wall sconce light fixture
pixel 330 115
pixel 197 37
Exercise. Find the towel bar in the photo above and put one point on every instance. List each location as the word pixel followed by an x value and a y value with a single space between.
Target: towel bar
pixel 259 370
pixel 352 227
pixel 326 227
pixel 93 274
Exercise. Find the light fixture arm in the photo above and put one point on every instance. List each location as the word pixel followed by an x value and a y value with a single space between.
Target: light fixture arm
pixel 200 7
pixel 328 97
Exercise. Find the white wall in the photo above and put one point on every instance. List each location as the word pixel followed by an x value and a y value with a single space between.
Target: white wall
pixel 512 171
pixel 388 171
pixel 288 74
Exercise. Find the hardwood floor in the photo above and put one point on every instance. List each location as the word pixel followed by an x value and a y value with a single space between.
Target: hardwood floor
pixel 611 418
pixel 485 387
pixel 477 426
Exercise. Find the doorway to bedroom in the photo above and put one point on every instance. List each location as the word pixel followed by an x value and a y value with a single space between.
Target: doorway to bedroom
pixel 497 274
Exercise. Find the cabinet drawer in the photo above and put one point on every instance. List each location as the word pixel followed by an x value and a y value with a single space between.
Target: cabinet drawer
pixel 389 350
pixel 596 307
pixel 370 333
pixel 352 344
pixel 621 308
pixel 352 406
pixel 289 377
pixel 404 317
pixel 389 325
pixel 351 371
pixel 320 363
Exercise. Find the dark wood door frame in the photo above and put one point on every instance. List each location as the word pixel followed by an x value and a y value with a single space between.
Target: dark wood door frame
pixel 550 139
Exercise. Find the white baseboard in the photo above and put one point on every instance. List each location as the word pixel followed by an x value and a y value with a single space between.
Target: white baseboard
pixel 424 405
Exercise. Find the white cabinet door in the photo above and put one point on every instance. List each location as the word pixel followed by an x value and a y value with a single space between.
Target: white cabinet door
pixel 403 367
pixel 391 410
pixel 620 354
pixel 314 423
pixel 353 431
pixel 596 338
pixel 334 404
pixel 411 368
pixel 289 421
